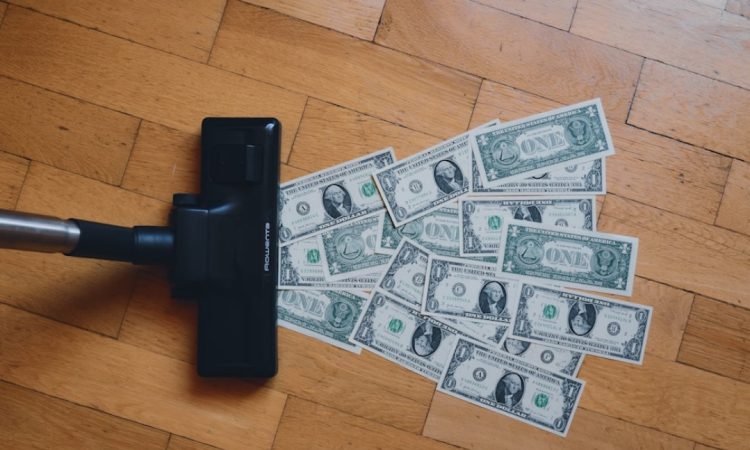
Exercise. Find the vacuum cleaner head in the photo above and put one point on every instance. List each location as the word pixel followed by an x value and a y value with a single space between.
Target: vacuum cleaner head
pixel 220 247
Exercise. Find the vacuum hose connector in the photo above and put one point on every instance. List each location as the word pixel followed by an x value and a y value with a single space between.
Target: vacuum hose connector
pixel 75 237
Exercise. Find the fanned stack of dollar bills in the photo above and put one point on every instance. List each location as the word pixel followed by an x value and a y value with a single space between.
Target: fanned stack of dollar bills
pixel 458 263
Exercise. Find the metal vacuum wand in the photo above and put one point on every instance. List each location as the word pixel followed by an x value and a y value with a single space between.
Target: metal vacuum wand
pixel 75 237
pixel 34 232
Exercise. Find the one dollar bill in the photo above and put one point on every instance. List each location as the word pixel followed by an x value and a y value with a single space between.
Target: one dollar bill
pixel 437 231
pixel 328 316
pixel 301 267
pixel 576 258
pixel 504 384
pixel 463 289
pixel 481 219
pixel 400 333
pixel 426 181
pixel 348 250
pixel 599 326
pixel 588 178
pixel 555 359
pixel 404 276
pixel 313 203
pixel 537 144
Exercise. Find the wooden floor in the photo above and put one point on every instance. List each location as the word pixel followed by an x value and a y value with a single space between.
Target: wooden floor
pixel 100 111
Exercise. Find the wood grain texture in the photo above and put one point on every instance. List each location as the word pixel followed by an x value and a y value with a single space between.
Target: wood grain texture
pixel 3 8
pixel 183 27
pixel 309 426
pixel 741 7
pixel 146 83
pixel 358 18
pixel 716 339
pixel 343 70
pixel 670 315
pixel 166 161
pixel 91 294
pixel 308 368
pixel 512 50
pixel 181 443
pixel 329 135
pixel 685 34
pixel 63 132
pixel 734 212
pixel 12 174
pixel 719 113
pixel 135 384
pixel 690 181
pixel 701 406
pixel 34 420
pixel 460 423
pixel 556 13
pixel 682 252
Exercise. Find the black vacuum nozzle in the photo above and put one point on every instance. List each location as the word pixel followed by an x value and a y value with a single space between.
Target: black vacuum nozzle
pixel 220 245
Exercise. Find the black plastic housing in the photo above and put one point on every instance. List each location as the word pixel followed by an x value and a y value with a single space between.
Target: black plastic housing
pixel 225 247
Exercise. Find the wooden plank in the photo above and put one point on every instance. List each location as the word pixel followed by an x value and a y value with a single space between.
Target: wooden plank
pixel 183 27
pixel 3 8
pixel 12 174
pixel 460 423
pixel 683 252
pixel 719 114
pixel 512 50
pixel 741 7
pixel 165 161
pixel 307 426
pixel 329 135
pixel 343 70
pixel 358 18
pixel 181 443
pixel 734 212
pixel 120 75
pixel 34 420
pixel 716 339
pixel 135 384
pixel 682 33
pixel 670 397
pixel 558 14
pixel 91 294
pixel 671 312
pixel 65 132
pixel 308 368
pixel 689 180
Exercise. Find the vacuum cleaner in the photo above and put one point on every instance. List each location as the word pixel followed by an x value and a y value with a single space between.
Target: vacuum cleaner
pixel 220 246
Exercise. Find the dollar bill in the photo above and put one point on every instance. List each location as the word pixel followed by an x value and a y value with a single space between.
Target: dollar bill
pixel 436 231
pixel 507 385
pixel 576 258
pixel 554 359
pixel 426 181
pixel 301 267
pixel 492 333
pixel 398 332
pixel 599 326
pixel 463 289
pixel 588 178
pixel 313 203
pixel 481 219
pixel 405 273
pixel 538 144
pixel 328 316
pixel 348 250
